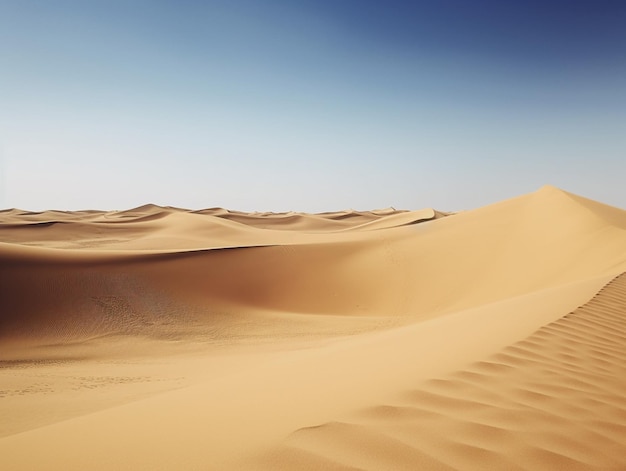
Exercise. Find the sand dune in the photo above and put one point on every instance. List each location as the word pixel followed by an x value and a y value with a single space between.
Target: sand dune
pixel 554 400
pixel 164 338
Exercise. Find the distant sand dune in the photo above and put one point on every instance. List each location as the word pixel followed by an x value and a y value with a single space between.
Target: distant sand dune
pixel 164 338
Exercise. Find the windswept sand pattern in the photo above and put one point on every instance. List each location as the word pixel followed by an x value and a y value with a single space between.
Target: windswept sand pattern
pixel 556 400
pixel 84 302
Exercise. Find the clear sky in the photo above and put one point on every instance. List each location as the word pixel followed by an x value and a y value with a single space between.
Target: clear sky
pixel 309 105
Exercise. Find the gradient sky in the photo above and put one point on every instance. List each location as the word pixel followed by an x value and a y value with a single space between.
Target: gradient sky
pixel 309 105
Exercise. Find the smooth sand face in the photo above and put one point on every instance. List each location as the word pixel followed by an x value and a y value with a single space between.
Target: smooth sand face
pixel 161 338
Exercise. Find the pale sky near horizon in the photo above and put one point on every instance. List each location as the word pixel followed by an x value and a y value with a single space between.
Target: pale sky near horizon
pixel 309 105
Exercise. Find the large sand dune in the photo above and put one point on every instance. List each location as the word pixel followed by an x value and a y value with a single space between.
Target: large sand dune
pixel 162 338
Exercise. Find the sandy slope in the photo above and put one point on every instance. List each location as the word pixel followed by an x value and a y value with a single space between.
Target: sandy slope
pixel 554 400
pixel 162 338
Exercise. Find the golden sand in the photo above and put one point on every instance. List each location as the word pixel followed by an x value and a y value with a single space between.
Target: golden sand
pixel 160 338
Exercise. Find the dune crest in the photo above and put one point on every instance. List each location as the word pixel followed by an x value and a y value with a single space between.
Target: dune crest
pixel 554 400
pixel 385 339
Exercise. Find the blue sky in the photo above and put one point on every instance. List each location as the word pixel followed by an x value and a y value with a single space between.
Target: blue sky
pixel 309 105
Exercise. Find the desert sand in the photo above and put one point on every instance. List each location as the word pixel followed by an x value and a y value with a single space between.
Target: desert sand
pixel 161 338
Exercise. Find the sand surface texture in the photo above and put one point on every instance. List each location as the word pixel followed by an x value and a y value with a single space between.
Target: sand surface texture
pixel 160 338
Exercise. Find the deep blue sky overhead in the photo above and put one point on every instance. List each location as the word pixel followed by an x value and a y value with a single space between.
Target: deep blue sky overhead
pixel 309 105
